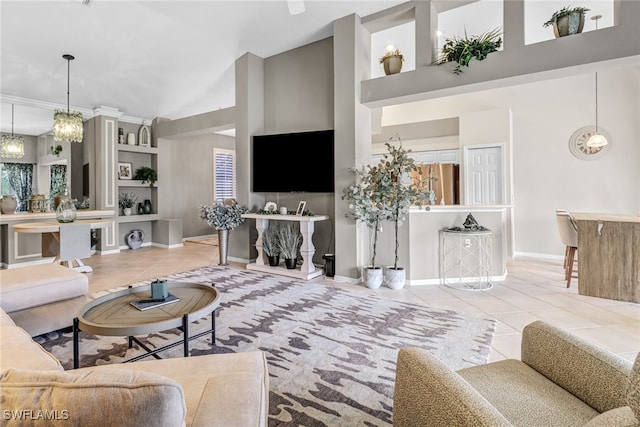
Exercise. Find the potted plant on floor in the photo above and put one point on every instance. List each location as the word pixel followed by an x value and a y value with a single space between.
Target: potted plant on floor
pixel 289 241
pixel 462 50
pixel 270 244
pixel 367 208
pixel 398 192
pixel 224 217
pixel 567 21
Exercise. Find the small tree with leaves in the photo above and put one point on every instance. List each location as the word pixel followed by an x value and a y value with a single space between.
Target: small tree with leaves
pixel 367 204
pixel 396 189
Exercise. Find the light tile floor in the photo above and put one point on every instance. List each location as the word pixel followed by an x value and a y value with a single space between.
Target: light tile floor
pixel 534 289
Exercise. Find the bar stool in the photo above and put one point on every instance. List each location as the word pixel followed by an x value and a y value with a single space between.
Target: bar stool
pixel 569 236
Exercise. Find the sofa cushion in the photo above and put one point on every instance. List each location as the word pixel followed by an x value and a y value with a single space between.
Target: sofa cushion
pixel 91 397
pixel 18 350
pixel 215 383
pixel 36 285
pixel 619 417
pixel 633 391
pixel 525 397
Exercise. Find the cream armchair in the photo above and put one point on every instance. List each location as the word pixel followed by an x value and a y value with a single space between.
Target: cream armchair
pixel 562 380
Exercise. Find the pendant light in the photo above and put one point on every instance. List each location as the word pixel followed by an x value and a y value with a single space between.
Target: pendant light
pixel 13 145
pixel 597 140
pixel 67 125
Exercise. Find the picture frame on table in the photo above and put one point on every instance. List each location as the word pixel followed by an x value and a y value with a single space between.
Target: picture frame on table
pixel 301 207
pixel 124 171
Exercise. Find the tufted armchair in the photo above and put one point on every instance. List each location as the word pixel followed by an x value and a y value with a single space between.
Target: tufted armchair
pixel 562 380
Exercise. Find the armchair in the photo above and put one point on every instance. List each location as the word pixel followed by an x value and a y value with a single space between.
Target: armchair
pixel 562 380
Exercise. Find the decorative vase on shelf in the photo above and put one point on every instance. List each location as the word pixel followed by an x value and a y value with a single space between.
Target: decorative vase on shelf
pixel 140 209
pixel 126 211
pixel 120 136
pixel 392 65
pixel 66 211
pixel 9 204
pixel 223 246
pixel 146 207
pixel 131 139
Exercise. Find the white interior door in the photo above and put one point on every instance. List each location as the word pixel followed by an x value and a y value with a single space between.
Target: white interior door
pixel 484 176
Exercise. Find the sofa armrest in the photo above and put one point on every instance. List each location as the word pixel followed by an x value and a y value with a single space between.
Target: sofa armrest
pixel 427 392
pixel 595 375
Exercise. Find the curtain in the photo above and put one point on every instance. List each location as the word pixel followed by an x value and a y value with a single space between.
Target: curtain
pixel 20 177
pixel 58 175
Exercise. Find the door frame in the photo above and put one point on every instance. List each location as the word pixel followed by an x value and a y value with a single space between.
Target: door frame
pixel 465 161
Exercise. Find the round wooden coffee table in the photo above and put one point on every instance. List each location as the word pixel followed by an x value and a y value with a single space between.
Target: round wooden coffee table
pixel 113 315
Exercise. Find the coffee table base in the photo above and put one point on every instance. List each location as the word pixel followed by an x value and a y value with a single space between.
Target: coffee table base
pixel 149 352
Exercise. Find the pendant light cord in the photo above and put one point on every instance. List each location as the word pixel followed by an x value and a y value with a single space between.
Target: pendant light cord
pixel 11 120
pixel 69 83
pixel 596 102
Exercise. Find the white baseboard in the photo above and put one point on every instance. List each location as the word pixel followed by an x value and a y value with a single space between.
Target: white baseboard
pixel 174 246
pixel 538 256
pixel 422 282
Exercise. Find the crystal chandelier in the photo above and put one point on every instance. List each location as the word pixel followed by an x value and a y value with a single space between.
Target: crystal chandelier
pixel 12 145
pixel 67 125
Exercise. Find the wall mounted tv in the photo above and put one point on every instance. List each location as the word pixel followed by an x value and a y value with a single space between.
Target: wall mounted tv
pixel 294 162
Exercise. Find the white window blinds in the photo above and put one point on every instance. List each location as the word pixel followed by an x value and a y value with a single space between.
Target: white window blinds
pixel 224 174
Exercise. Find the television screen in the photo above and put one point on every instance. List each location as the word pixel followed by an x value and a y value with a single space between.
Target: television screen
pixel 294 162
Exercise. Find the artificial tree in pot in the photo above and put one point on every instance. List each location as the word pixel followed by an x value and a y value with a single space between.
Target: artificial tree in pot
pixel 270 243
pixel 367 208
pixel 224 217
pixel 398 192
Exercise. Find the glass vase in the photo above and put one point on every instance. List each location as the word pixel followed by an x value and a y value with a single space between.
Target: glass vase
pixel 66 211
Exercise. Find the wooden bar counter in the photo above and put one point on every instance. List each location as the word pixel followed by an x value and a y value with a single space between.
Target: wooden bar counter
pixel 609 256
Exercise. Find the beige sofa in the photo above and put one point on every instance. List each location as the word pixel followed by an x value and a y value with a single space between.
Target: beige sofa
pixel 213 390
pixel 562 380
pixel 42 298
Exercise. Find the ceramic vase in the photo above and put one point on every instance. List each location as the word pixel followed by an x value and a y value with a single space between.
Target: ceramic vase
pixel 392 65
pixel 131 139
pixel 372 277
pixel 126 211
pixel 568 25
pixel 223 246
pixel 146 207
pixel 9 204
pixel 395 277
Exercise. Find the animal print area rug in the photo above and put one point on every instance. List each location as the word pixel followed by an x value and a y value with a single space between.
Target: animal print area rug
pixel 331 350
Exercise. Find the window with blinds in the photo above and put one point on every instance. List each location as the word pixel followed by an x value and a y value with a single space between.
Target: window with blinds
pixel 224 174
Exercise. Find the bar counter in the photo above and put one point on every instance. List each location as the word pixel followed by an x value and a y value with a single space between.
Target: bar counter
pixel 609 256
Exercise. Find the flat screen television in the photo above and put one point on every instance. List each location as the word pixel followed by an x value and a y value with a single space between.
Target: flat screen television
pixel 294 162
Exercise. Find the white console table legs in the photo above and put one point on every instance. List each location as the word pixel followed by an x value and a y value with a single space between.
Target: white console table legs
pixel 307 250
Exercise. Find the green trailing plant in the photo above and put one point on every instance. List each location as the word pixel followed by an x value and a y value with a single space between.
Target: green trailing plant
pixel 289 240
pixel 565 11
pixel 270 245
pixel 396 190
pixel 223 216
pixel 463 49
pixel 146 174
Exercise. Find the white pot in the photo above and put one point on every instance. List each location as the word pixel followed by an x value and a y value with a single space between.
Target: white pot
pixel 372 277
pixel 395 278
pixel 127 211
pixel 131 139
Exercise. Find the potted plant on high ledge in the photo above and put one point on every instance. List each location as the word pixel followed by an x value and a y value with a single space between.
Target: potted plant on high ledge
pixel 567 21
pixel 463 49
pixel 367 208
pixel 224 217
pixel 397 193
pixel 392 61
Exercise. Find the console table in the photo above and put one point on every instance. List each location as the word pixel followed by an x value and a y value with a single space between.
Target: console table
pixel 66 242
pixel 307 270
pixel 466 259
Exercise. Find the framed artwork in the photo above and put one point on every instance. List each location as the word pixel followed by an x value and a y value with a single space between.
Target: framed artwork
pixel 301 206
pixel 124 171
